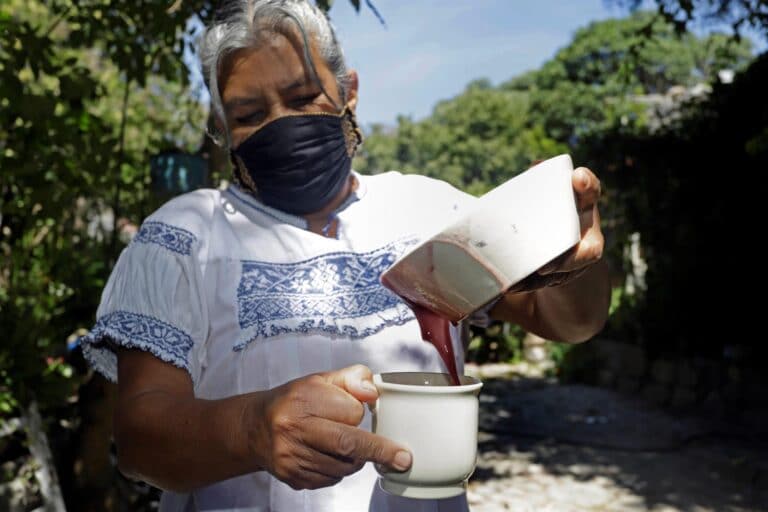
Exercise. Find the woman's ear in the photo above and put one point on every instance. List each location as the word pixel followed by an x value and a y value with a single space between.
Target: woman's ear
pixel 352 85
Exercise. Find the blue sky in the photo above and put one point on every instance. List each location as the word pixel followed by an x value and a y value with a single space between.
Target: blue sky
pixel 430 49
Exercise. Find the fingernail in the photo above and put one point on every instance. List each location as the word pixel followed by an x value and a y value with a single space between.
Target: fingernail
pixel 402 460
pixel 584 177
pixel 368 386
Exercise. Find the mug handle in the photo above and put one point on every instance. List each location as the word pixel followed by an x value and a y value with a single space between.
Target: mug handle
pixel 373 407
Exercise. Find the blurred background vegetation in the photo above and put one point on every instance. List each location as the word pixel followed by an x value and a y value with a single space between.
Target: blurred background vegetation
pixel 95 101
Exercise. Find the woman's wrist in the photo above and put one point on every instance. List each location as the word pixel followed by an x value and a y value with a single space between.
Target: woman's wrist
pixel 536 281
pixel 255 431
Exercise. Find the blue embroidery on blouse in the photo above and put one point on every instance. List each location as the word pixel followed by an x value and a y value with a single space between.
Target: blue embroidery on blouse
pixel 321 295
pixel 134 330
pixel 171 237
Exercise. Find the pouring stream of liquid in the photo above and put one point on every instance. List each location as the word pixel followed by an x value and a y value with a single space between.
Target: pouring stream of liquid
pixel 435 330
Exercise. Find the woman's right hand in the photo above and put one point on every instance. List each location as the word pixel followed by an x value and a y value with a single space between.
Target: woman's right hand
pixel 306 433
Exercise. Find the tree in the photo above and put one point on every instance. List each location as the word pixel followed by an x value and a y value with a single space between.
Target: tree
pixel 473 141
pixel 736 13
pixel 88 91
pixel 487 134
pixel 82 111
pixel 593 84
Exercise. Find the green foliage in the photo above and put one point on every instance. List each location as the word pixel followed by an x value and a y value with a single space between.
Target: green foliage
pixel 640 54
pixel 592 85
pixel 473 141
pixel 500 342
pixel 488 134
pixel 88 91
pixel 558 352
pixel 681 189
pixel 736 13
pixel 325 5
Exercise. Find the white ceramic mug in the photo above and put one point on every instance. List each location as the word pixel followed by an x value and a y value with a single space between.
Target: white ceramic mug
pixel 512 231
pixel 437 422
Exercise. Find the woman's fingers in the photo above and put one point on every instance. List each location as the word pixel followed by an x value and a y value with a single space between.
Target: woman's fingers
pixel 354 443
pixel 357 380
pixel 587 187
pixel 590 247
pixel 304 479
pixel 313 439
pixel 588 251
pixel 328 465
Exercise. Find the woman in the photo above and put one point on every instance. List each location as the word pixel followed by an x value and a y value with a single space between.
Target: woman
pixel 243 325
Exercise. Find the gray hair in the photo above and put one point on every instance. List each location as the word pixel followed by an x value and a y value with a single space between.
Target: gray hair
pixel 244 23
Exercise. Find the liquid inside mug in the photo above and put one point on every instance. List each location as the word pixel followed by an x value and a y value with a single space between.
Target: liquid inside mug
pixel 437 422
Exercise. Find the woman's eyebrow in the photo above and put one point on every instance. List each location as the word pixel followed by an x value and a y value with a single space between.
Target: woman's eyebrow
pixel 296 84
pixel 240 101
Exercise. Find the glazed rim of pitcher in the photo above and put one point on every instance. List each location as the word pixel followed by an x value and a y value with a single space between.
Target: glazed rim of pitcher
pixel 424 382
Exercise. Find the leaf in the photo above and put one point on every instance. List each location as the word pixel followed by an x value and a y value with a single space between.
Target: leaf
pixel 84 123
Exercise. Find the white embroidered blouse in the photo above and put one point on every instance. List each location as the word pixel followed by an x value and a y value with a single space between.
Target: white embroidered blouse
pixel 245 298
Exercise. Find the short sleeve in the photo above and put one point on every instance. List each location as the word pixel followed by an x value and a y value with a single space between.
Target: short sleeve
pixel 152 301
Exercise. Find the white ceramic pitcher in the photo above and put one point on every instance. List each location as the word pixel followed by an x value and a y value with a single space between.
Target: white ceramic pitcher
pixel 514 229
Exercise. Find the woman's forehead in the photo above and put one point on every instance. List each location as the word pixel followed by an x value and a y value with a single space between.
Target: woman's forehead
pixel 277 63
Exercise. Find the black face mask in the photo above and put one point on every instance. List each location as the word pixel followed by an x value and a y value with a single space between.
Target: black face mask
pixel 298 163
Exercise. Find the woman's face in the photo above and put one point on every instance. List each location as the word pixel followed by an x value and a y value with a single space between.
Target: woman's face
pixel 261 84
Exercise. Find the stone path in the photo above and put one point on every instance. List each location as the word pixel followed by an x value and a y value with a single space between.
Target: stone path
pixel 546 447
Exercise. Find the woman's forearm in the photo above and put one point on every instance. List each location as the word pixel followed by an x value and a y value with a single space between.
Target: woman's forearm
pixel 304 432
pixel 571 312
pixel 181 443
pixel 577 310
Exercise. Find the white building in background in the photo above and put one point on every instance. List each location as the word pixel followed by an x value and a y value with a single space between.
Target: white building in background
pixel 635 280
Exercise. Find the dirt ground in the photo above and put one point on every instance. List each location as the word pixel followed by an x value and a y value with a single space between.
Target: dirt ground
pixel 548 447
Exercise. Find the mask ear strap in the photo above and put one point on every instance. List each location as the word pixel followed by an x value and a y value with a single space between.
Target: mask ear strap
pixel 353 136
pixel 240 174
pixel 308 59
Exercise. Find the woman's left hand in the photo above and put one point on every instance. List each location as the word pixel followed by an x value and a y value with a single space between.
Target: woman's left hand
pixel 587 251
